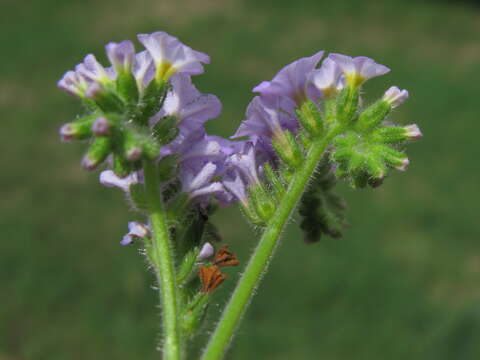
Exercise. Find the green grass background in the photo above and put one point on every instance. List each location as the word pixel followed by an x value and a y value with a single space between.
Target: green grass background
pixel 402 284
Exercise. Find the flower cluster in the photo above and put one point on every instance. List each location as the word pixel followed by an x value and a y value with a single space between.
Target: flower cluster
pixel 303 131
pixel 302 103
pixel 145 106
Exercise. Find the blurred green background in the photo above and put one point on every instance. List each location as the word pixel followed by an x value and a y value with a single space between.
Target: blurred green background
pixel 402 284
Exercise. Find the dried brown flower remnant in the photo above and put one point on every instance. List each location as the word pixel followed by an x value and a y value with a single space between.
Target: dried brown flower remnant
pixel 211 277
pixel 225 258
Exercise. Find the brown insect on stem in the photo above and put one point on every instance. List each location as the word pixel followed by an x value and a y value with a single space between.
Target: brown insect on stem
pixel 225 258
pixel 211 277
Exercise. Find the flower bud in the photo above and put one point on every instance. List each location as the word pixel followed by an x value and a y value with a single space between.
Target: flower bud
pixel 413 132
pixel 288 149
pixel 262 202
pixel 102 126
pixel 121 167
pixel 393 158
pixel 310 118
pixel 194 313
pixel 394 96
pixel 347 104
pixel 77 130
pixel 274 180
pixel 104 98
pixel 206 252
pixel 97 153
pixel 132 145
pixel 372 116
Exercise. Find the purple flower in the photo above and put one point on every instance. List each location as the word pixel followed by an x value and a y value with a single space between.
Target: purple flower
pixel 359 69
pixel 121 55
pixel 245 162
pixel 236 186
pixel 109 179
pixel 73 83
pixel 191 108
pixel 394 96
pixel 200 184
pixel 171 56
pixel 268 120
pixel 328 78
pixel 143 69
pixel 293 81
pixel 135 231
pixel 92 70
pixel 197 147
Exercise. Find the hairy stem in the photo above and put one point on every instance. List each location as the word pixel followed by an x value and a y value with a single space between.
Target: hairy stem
pixel 164 263
pixel 258 263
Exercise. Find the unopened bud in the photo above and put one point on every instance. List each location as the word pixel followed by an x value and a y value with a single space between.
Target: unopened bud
pixel 372 116
pixel 413 132
pixel 394 96
pixel 288 149
pixel 206 252
pixel 403 166
pixel 104 98
pixel 77 130
pixel 262 202
pixel 310 118
pixel 347 104
pixel 102 126
pixel 97 153
pixel 134 153
pixel 68 132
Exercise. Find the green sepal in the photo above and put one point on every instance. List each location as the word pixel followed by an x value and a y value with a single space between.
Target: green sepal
pixel 347 104
pixel 152 100
pixel 288 149
pixel 127 87
pixel 132 144
pixel 305 139
pixel 262 202
pixel 392 157
pixel 186 267
pixel 166 130
pixel 310 118
pixel 390 134
pixel 274 180
pixel 107 100
pixel 81 128
pixel 194 313
pixel 137 144
pixel 121 167
pixel 97 152
pixel 364 158
pixel 372 116
pixel 151 148
pixel 321 209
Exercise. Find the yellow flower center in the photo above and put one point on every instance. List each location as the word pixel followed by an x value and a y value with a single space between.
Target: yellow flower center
pixel 164 71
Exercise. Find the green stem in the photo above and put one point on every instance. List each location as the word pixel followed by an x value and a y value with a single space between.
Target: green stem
pixel 163 262
pixel 260 259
